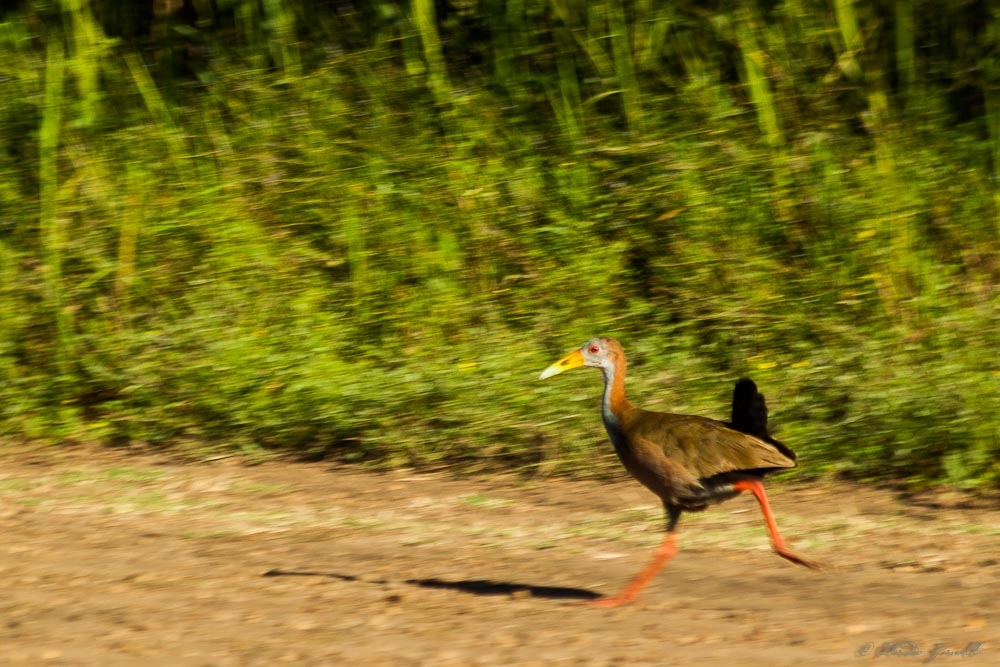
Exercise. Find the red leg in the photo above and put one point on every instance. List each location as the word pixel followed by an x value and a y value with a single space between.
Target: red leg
pixel 664 553
pixel 755 487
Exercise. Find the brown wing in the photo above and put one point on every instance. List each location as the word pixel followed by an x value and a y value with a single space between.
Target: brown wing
pixel 706 447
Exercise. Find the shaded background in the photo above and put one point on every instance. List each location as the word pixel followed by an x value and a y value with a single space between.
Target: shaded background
pixel 361 229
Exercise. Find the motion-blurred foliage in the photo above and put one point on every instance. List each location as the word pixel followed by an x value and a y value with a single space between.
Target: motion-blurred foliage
pixel 360 229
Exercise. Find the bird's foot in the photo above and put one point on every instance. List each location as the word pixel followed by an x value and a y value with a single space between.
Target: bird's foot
pixel 799 560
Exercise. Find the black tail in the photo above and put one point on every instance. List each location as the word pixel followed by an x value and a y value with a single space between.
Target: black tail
pixel 750 414
pixel 749 409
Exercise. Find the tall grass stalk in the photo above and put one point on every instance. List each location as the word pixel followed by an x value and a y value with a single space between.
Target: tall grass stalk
pixel 567 103
pixel 649 36
pixel 437 73
pixel 991 91
pixel 352 224
pixel 901 271
pixel 50 220
pixel 590 44
pixel 906 54
pixel 284 50
pixel 512 32
pixel 248 22
pixel 621 47
pixel 850 35
pixel 131 212
pixel 158 109
pixel 90 48
pixel 757 81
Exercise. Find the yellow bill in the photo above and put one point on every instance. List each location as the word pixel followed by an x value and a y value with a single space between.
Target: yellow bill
pixel 572 360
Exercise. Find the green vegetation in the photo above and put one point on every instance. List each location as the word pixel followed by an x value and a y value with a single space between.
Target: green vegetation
pixel 361 229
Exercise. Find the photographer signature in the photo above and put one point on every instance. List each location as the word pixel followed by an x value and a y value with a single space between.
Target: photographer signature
pixel 909 648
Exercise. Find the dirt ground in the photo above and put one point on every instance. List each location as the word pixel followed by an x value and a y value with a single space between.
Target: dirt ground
pixel 115 560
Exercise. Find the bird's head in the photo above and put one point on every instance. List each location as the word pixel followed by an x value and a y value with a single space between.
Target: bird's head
pixel 604 353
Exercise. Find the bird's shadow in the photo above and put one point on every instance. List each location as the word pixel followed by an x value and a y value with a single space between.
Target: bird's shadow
pixel 471 586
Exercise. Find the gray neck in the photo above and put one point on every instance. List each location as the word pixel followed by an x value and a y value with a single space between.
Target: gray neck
pixel 611 422
pixel 609 382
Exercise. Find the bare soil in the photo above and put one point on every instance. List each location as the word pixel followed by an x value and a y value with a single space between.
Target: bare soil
pixel 115 560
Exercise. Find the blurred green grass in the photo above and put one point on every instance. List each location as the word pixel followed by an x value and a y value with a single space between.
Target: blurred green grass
pixel 357 233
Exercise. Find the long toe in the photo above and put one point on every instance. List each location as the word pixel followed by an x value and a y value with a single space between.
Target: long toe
pixel 799 560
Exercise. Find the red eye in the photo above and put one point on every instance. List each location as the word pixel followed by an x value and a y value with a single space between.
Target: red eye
pixel 594 349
